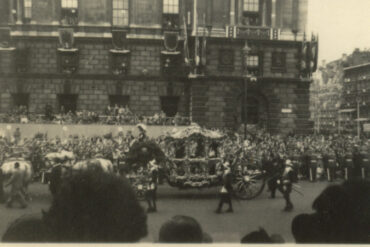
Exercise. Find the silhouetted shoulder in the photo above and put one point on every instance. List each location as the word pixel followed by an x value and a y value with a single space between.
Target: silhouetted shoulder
pixel 28 228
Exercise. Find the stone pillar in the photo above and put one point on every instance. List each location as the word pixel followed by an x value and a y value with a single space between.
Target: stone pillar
pixel 264 13
pixel 19 12
pixel 56 11
pixel 232 12
pixel 11 16
pixel 273 13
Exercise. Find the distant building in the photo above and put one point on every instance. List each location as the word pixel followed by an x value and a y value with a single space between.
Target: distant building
pixel 332 99
pixel 325 97
pixel 356 94
pixel 195 58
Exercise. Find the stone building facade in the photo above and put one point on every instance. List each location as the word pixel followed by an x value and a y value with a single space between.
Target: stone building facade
pixel 215 61
pixel 333 99
pixel 356 97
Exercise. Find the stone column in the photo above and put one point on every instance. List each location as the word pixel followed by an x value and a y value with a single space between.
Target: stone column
pixel 264 12
pixel 56 12
pixel 11 16
pixel 273 13
pixel 19 12
pixel 232 12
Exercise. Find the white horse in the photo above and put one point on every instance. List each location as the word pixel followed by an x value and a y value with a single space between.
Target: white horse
pixel 24 166
pixel 103 164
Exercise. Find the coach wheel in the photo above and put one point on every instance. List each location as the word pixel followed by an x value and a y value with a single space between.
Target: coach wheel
pixel 247 187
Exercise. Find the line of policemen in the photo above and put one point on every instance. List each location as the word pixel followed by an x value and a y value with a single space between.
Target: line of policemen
pixel 352 164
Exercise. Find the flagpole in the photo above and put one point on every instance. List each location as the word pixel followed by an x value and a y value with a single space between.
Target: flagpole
pixel 195 17
pixel 195 29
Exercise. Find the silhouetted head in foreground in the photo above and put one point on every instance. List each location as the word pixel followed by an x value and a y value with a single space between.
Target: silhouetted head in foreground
pixel 89 207
pixel 182 229
pixel 260 237
pixel 342 216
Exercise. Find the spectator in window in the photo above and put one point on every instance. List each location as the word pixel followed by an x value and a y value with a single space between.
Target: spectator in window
pixel 183 229
pixel 342 216
pixel 89 207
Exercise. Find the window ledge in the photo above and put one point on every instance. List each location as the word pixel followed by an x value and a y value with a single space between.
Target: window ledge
pixel 119 51
pixel 71 50
pixel 171 52
pixel 7 48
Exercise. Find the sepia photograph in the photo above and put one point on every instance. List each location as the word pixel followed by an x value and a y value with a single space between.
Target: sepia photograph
pixel 185 121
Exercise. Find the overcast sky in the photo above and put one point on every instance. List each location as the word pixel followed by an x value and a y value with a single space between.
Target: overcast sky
pixel 342 25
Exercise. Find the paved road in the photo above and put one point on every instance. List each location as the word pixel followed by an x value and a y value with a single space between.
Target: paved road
pixel 200 204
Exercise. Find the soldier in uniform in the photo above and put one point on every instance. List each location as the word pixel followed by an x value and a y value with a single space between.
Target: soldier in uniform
pixel 306 160
pixel 365 164
pixel 285 184
pixel 348 165
pixel 151 194
pixel 357 162
pixel 17 183
pixel 274 170
pixel 313 167
pixel 331 163
pixel 226 189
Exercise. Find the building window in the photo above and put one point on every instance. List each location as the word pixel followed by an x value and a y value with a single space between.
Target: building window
pixel 120 12
pixel 22 59
pixel 226 60
pixel 170 6
pixel 67 103
pixel 27 10
pixel 69 4
pixel 119 100
pixel 278 61
pixel 20 100
pixel 252 61
pixel 171 14
pixel 251 5
pixel 251 13
pixel 169 105
pixel 253 64
pixel 69 13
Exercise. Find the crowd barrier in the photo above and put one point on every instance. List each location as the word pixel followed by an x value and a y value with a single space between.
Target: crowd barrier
pixel 88 130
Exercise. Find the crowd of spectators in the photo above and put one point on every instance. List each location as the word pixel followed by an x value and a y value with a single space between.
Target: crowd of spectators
pixel 259 147
pixel 91 199
pixel 113 115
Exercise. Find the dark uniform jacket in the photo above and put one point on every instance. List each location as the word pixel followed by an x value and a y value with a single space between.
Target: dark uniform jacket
pixel 227 182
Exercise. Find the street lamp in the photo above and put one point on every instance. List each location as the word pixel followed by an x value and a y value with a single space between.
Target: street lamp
pixel 246 50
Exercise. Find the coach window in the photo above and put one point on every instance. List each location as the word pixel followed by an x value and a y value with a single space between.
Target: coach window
pixel 120 13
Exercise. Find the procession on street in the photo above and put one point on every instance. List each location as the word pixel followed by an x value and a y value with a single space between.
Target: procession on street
pixel 184 121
